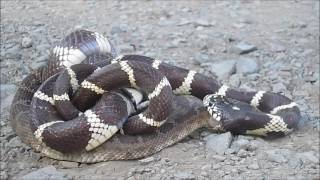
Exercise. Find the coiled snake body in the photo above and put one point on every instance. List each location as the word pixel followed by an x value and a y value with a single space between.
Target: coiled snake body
pixel 89 105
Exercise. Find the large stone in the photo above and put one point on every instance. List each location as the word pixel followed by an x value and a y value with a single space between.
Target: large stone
pixel 223 69
pixel 47 173
pixel 246 66
pixel 218 144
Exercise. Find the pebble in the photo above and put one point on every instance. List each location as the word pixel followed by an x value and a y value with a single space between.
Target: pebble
pixel 218 144
pixel 308 157
pixel 48 173
pixel 125 48
pixel 277 48
pixel 223 69
pixel 183 175
pixel 203 22
pixel 273 156
pixel 147 160
pixel 26 42
pixel 235 80
pixel 254 166
pixel 14 142
pixel 119 29
pixel 201 58
pixel 7 89
pixel 242 153
pixel 243 48
pixel 216 166
pixel 240 144
pixel 68 164
pixel 219 158
pixel 279 87
pixel 246 66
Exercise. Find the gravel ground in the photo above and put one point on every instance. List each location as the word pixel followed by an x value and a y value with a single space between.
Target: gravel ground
pixel 269 45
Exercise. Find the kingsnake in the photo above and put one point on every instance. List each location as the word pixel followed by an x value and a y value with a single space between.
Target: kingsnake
pixel 87 96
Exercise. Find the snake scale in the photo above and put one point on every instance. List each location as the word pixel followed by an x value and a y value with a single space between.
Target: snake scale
pixel 89 105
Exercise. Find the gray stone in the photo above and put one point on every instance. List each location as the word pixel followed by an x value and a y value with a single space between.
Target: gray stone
pixel 183 175
pixel 125 48
pixel 68 164
pixel 253 145
pixel 242 153
pixel 41 61
pixel 246 66
pixel 26 42
pixel 235 80
pixel 3 174
pixel 308 157
pixel 119 29
pixel 277 48
pixel 223 69
pixel 7 89
pixel 47 173
pixel 218 144
pixel 147 160
pixel 243 48
pixel 203 22
pixel 274 156
pixel 218 158
pixel 240 144
pixel 279 87
pixel 14 142
pixel 254 166
pixel 201 58
pixel 216 166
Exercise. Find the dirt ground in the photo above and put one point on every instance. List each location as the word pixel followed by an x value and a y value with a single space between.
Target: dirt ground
pixel 207 36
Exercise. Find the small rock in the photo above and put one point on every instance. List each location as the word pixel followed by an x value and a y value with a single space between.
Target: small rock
pixel 147 160
pixel 308 157
pixel 246 66
pixel 216 166
pixel 273 156
pixel 277 48
pixel 253 145
pixel 243 48
pixel 3 174
pixel 240 144
pixel 68 164
pixel 242 153
pixel 218 143
pixel 184 175
pixel 223 69
pixel 203 22
pixel 218 158
pixel 48 172
pixel 235 80
pixel 254 166
pixel 279 87
pixel 7 89
pixel 201 58
pixel 26 42
pixel 14 142
pixel 125 48
pixel 119 29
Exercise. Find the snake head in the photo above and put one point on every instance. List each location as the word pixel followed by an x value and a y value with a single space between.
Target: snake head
pixel 214 121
